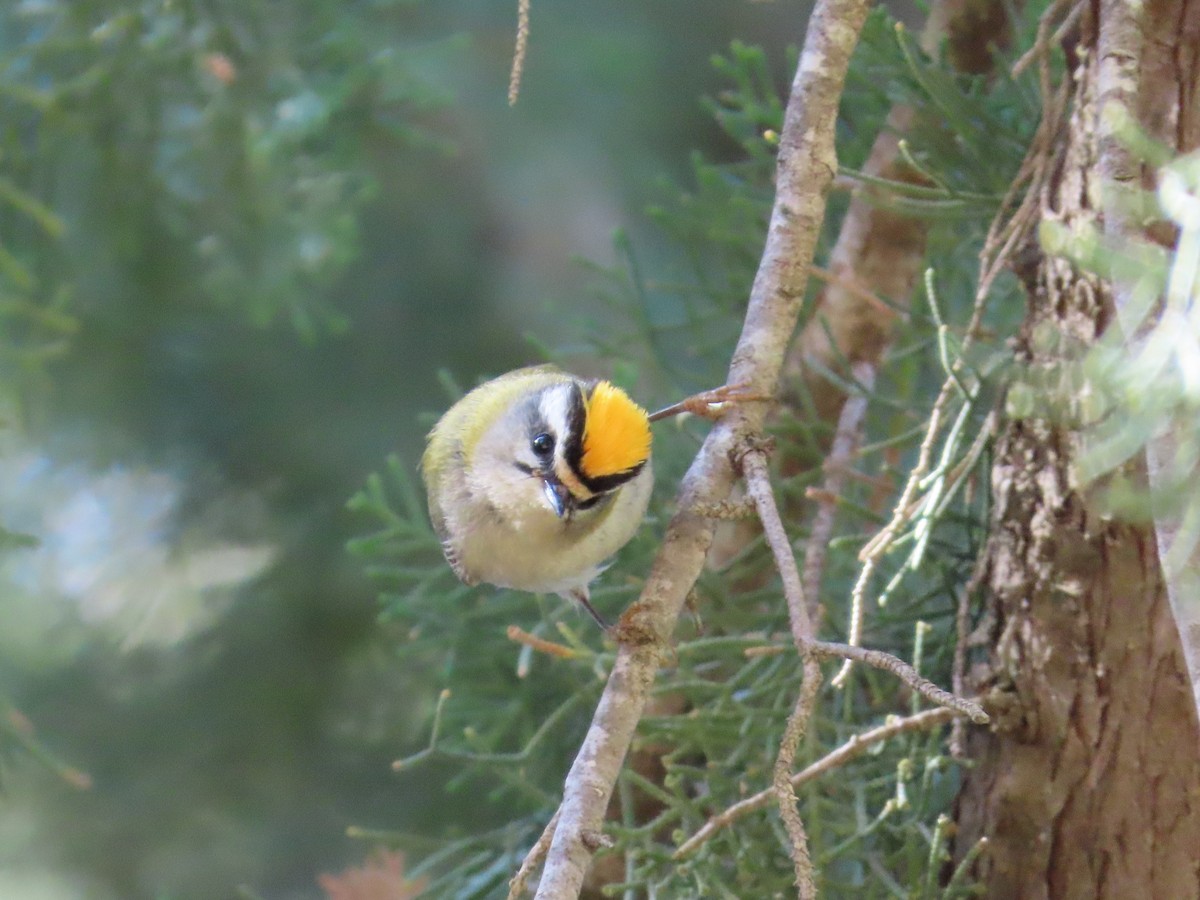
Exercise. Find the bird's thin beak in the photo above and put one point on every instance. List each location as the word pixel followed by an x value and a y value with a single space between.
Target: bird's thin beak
pixel 557 495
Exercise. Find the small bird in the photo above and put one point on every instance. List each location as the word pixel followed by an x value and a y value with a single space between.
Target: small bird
pixel 536 478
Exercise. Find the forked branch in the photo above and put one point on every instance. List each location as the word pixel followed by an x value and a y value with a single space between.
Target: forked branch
pixel 806 166
pixel 855 746
pixel 758 487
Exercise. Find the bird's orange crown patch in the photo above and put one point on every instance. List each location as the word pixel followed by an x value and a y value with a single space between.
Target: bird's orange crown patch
pixel 616 433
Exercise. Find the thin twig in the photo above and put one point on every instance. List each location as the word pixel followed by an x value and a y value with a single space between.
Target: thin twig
pixel 962 625
pixel 958 677
pixel 878 482
pixel 837 467
pixel 758 487
pixel 880 660
pixel 766 650
pixel 516 887
pixel 1004 234
pixel 852 287
pixel 781 781
pixel 806 164
pixel 955 884
pixel 1044 40
pixel 518 62
pixel 904 510
pixel 520 636
pixel 19 728
pixel 855 746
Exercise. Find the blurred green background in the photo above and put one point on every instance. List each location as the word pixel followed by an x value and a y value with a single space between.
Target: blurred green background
pixel 238 241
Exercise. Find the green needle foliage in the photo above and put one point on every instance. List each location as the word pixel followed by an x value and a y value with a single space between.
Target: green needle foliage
pixel 509 719
pixel 254 122
pixel 156 158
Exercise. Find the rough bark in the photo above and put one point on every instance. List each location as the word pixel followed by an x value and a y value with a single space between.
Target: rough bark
pixel 1088 785
pixel 1162 46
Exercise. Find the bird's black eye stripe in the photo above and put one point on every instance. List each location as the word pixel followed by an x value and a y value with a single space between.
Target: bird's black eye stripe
pixel 593 501
pixel 573 439
pixel 542 444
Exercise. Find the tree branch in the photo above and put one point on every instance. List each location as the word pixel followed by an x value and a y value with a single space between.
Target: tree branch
pixel 880 660
pixel 516 886
pixel 806 166
pixel 930 718
pixel 758 486
pixel 519 50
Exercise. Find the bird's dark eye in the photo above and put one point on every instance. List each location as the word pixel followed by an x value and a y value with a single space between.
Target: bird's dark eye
pixel 542 444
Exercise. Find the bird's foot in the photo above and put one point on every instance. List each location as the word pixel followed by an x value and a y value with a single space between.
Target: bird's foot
pixel 711 404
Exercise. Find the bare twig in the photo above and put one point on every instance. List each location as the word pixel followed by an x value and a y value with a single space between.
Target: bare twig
pixel 853 288
pixel 516 887
pixel 521 636
pixel 880 660
pixel 1004 235
pixel 962 625
pixel 962 622
pixel 837 467
pixel 767 650
pixel 906 507
pixel 930 718
pixel 962 870
pixel 19 728
pixel 781 782
pixel 518 62
pixel 878 482
pixel 1045 40
pixel 806 166
pixel 758 486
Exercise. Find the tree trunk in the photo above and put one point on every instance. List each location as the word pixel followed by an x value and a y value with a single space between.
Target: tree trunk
pixel 1088 784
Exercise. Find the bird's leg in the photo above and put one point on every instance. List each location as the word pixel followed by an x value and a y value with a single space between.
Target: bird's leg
pixel 709 404
pixel 580 596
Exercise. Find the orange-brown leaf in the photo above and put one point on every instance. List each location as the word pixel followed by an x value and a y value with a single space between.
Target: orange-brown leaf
pixel 380 877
